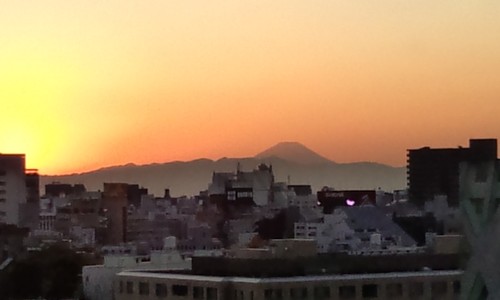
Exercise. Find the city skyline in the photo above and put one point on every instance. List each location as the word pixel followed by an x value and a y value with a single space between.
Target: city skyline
pixel 90 85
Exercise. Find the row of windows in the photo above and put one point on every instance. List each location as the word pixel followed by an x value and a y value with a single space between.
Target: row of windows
pixel 184 248
pixel 368 291
pixel 161 290
pixel 77 210
pixel 478 204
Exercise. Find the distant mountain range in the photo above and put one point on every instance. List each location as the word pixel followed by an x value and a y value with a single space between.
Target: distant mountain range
pixel 290 160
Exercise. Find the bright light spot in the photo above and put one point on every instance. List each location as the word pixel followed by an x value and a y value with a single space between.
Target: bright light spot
pixel 350 202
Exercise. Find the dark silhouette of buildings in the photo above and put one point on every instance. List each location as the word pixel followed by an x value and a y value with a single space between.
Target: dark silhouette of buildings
pixel 56 189
pixel 134 194
pixel 436 171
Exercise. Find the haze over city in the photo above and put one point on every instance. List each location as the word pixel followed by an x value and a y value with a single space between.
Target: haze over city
pixel 93 84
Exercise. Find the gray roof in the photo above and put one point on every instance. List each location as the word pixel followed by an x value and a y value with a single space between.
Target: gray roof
pixel 369 218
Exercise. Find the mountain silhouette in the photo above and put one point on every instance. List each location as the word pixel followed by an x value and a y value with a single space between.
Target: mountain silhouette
pixel 292 162
pixel 293 152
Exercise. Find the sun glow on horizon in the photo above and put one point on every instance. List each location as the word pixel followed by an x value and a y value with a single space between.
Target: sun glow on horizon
pixel 93 84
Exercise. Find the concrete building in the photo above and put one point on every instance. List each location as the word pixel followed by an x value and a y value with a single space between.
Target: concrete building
pixel 78 218
pixel 19 193
pixel 358 229
pixel 254 187
pixel 11 243
pixel 98 279
pixel 297 274
pixel 436 171
pixel 138 285
pixel 479 203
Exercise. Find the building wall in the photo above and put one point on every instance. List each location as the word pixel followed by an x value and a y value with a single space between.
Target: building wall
pixel 436 171
pixel 443 285
pixel 12 188
pixel 114 201
pixel 98 280
pixel 480 202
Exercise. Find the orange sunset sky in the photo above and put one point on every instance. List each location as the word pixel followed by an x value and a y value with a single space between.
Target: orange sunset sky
pixel 88 84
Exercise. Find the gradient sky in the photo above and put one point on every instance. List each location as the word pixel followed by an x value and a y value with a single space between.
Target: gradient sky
pixel 87 84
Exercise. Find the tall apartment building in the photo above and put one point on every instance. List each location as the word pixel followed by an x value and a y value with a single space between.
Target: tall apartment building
pixel 19 192
pixel 434 172
pixel 114 203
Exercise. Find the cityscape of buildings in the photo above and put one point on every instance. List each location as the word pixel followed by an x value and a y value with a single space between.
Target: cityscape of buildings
pixel 250 237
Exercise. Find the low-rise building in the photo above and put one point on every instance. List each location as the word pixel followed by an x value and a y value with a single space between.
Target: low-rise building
pixel 98 279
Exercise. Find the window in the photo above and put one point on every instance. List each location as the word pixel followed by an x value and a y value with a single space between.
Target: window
pixel 179 290
pixel 321 292
pixel 496 204
pixel 481 173
pixel 121 287
pixel 268 294
pixel 347 292
pixel 143 288
pixel 278 294
pixel 130 287
pixel 439 288
pixel 477 203
pixel 456 287
pixel 416 290
pixel 369 291
pixel 394 290
pixel 2 183
pixel 298 293
pixel 198 292
pixel 211 293
pixel 161 290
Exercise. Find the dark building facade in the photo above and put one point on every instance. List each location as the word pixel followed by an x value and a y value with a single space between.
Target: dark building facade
pixel 436 171
pixel 330 199
pixel 114 204
pixel 56 189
